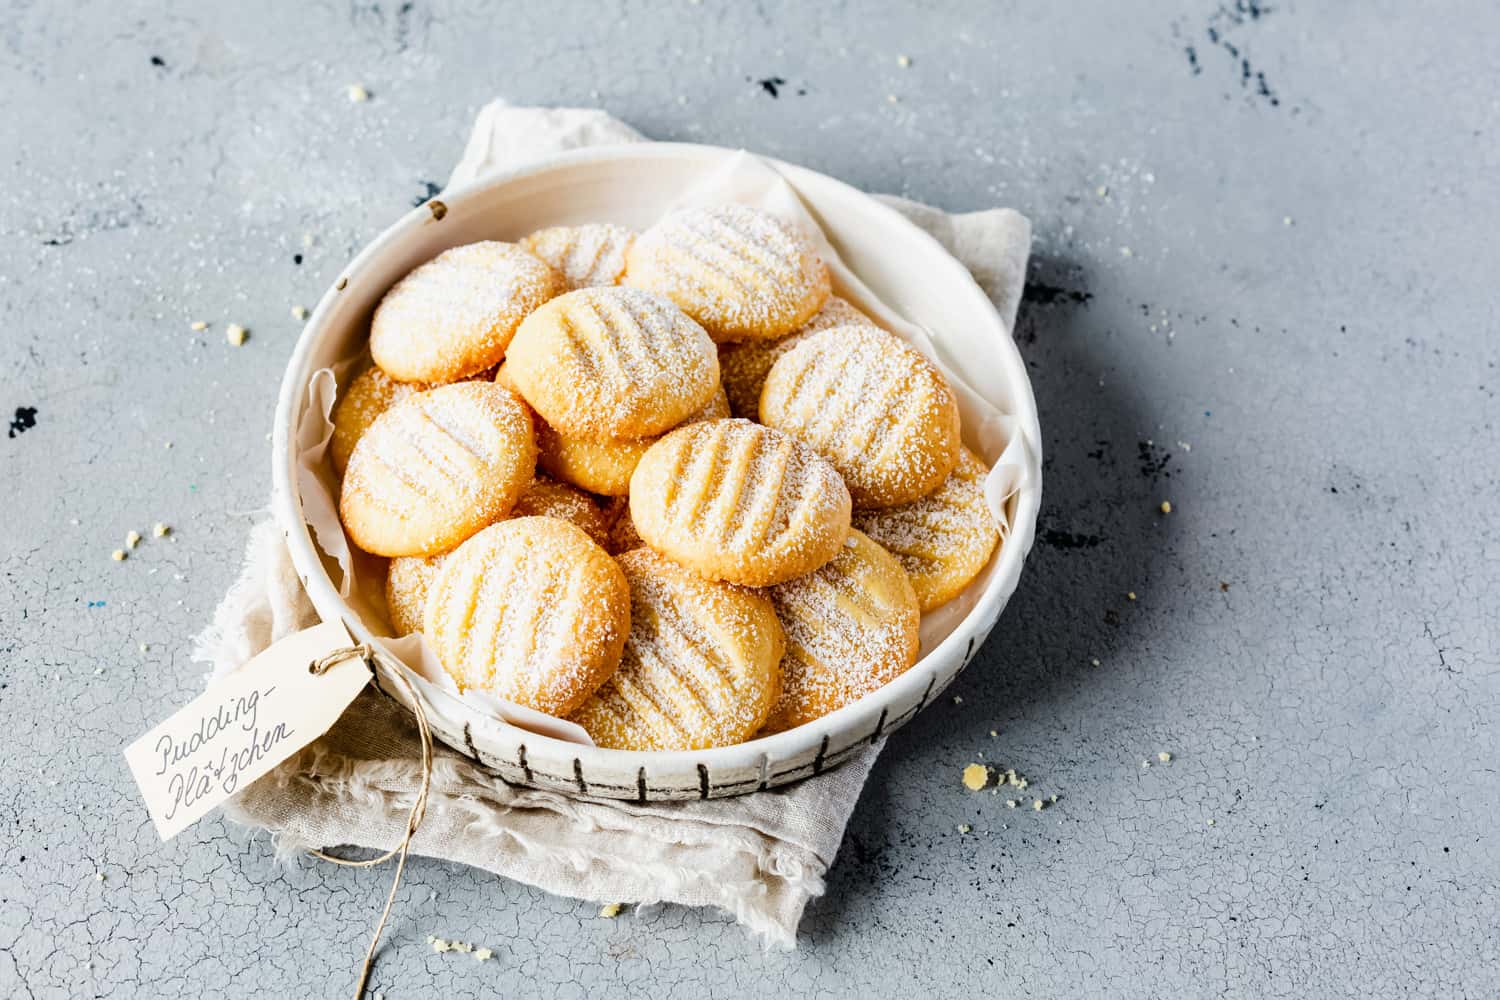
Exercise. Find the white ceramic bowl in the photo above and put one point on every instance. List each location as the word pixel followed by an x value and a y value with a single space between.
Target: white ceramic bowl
pixel 633 185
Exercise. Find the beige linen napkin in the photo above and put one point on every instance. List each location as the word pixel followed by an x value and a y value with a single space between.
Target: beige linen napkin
pixel 760 857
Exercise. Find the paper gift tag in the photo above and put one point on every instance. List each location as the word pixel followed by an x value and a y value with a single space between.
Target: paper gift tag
pixel 246 723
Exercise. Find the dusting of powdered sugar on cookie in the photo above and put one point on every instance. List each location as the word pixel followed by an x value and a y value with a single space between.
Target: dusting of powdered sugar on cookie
pixel 699 669
pixel 531 611
pixel 603 364
pixel 851 627
pixel 873 406
pixel 455 315
pixel 742 273
pixel 586 256
pixel 942 540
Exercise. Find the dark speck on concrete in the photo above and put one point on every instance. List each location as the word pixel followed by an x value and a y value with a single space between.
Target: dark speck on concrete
pixel 159 62
pixel 1041 294
pixel 1068 540
pixel 1153 461
pixel 1222 23
pixel 297 259
pixel 23 421
pixel 771 85
pixel 429 191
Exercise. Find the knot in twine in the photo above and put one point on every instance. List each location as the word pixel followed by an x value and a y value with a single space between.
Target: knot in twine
pixel 364 652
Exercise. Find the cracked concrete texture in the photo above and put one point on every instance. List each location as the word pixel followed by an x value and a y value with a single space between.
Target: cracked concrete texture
pixel 1262 291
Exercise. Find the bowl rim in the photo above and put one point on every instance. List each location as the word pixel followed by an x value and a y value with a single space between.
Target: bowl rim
pixel 287 506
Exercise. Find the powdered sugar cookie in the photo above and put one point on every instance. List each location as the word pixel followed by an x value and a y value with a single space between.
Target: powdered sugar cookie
pixel 546 498
pixel 701 667
pixel 407 580
pixel 601 364
pixel 743 366
pixel 736 501
pixel 368 395
pixel 604 467
pixel 437 467
pixel 622 534
pixel 409 577
pixel 874 407
pixel 455 315
pixel 587 255
pixel 531 611
pixel 851 627
pixel 743 273
pixel 942 540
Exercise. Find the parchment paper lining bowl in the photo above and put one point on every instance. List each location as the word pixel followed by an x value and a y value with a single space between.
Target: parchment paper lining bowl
pixel 632 185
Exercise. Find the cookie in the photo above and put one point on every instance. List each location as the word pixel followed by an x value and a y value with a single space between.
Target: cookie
pixel 873 406
pixel 531 611
pixel 743 366
pixel 547 498
pixel 622 534
pixel 602 364
pixel 942 540
pixel 604 467
pixel 739 502
pixel 700 669
pixel 851 627
pixel 407 580
pixel 368 395
pixel 409 577
pixel 743 273
pixel 437 467
pixel 455 315
pixel 586 256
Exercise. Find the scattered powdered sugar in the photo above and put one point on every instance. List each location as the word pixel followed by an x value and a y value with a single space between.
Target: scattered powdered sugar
pixel 587 255
pixel 741 272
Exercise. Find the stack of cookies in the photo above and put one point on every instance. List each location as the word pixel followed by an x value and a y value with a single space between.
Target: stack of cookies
pixel 665 485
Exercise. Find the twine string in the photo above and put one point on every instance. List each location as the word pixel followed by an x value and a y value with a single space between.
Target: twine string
pixel 418 808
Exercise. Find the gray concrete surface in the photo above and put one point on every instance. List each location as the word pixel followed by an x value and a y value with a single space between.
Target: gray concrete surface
pixel 1263 290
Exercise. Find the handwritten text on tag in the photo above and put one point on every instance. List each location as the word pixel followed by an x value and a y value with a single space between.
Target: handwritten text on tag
pixel 246 723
